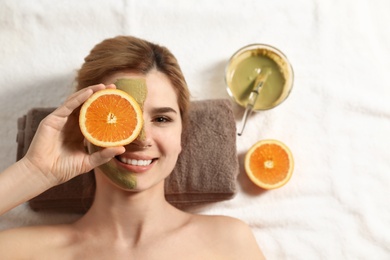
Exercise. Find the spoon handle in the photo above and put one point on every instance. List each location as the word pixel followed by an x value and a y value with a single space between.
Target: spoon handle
pixel 259 83
pixel 248 111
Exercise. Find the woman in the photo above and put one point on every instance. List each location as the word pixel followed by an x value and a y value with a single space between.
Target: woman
pixel 123 222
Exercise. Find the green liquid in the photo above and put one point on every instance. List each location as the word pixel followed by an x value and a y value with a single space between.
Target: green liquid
pixel 244 70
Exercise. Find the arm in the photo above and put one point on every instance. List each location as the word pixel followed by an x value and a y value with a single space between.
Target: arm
pixel 56 155
pixel 19 183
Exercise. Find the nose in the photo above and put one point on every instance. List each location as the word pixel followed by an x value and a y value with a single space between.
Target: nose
pixel 143 140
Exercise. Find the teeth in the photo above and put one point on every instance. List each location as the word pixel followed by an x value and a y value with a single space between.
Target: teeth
pixel 135 162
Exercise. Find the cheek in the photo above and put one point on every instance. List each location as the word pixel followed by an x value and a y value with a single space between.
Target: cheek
pixel 120 177
pixel 169 141
pixel 175 141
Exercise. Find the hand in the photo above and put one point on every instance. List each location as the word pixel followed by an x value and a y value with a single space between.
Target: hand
pixel 57 150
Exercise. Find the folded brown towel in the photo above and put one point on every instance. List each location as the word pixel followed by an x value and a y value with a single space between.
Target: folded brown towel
pixel 206 170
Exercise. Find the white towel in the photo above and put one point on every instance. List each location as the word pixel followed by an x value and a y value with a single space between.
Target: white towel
pixel 336 120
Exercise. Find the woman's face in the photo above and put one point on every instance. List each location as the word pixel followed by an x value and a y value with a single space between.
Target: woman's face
pixel 149 160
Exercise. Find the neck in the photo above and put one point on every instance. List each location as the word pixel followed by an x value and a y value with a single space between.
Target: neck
pixel 126 215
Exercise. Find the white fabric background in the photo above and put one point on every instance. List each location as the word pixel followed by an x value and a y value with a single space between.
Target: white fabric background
pixel 336 120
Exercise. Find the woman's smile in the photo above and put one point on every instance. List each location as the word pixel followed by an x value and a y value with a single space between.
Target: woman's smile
pixel 135 164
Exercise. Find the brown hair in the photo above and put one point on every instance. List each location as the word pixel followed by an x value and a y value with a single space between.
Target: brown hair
pixel 137 55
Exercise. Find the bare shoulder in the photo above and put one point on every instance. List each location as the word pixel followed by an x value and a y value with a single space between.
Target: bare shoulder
pixel 231 235
pixel 30 241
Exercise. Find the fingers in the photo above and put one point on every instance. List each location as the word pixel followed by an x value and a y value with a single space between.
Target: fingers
pixel 78 98
pixel 103 156
pixel 111 86
pixel 94 88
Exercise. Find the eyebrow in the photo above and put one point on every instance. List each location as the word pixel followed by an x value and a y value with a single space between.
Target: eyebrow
pixel 159 110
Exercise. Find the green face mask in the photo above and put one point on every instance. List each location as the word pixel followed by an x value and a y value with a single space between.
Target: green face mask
pixel 137 89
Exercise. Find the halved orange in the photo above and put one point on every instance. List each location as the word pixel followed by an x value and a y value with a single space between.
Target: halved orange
pixel 269 164
pixel 110 117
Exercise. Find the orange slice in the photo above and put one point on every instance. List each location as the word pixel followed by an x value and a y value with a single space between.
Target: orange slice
pixel 110 117
pixel 269 164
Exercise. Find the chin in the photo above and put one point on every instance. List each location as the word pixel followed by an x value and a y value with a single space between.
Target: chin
pixel 123 179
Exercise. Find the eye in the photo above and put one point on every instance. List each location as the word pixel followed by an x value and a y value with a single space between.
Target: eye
pixel 162 119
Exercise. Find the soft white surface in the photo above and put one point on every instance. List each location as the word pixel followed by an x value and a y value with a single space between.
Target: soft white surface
pixel 336 120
